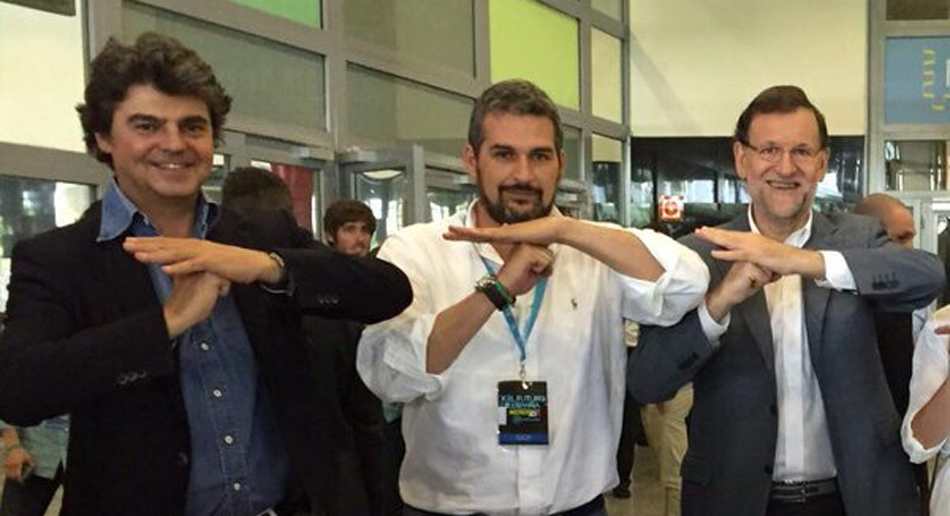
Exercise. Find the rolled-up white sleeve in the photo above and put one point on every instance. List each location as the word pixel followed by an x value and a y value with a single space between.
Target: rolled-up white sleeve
pixel 678 290
pixel 930 371
pixel 391 356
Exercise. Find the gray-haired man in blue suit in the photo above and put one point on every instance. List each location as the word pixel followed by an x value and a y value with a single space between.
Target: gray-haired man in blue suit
pixel 792 413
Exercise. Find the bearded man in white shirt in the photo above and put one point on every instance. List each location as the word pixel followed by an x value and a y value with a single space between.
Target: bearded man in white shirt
pixel 500 419
pixel 791 412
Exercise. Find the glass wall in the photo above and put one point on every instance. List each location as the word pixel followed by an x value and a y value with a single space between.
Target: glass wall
pixel 605 189
pixel 248 67
pixel 918 9
pixel 406 28
pixel 29 207
pixel 41 77
pixel 307 12
pixel 383 108
pixel 532 41
pixel 607 78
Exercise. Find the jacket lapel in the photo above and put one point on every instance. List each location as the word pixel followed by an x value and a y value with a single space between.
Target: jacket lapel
pixel 815 298
pixel 754 312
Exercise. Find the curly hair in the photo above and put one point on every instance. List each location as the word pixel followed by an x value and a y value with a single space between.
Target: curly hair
pixel 156 60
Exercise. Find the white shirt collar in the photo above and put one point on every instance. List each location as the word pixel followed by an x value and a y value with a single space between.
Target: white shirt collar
pixel 798 238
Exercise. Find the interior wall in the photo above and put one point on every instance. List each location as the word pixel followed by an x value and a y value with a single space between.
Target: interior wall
pixel 41 77
pixel 695 64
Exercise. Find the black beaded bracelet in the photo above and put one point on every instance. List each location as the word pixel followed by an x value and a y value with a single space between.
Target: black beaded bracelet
pixel 495 291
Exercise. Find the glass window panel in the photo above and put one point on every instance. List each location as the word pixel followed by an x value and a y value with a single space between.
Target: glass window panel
pixel 607 76
pixel 42 70
pixel 605 185
pixel 532 41
pixel 640 202
pixel 307 12
pixel 612 8
pixel 918 9
pixel 384 191
pixel 916 165
pixel 247 67
pixel 386 109
pixel 29 207
pixel 406 27
pixel 572 148
pixel 443 203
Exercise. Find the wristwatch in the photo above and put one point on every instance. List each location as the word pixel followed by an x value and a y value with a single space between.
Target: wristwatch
pixel 495 291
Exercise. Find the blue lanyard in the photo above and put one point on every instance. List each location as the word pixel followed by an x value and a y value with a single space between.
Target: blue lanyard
pixel 522 339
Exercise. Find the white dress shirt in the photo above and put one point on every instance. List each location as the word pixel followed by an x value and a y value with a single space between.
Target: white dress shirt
pixel 931 365
pixel 803 448
pixel 453 461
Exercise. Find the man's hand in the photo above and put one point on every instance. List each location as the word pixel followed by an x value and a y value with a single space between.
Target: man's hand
pixel 16 460
pixel 180 256
pixel 542 231
pixel 526 265
pixel 742 281
pixel 192 300
pixel 777 257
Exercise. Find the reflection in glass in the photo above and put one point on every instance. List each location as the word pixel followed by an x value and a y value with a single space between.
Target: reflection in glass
pixel 444 203
pixel 607 76
pixel 269 81
pixel 572 147
pixel 388 110
pixel 220 167
pixel 640 202
pixel 918 9
pixel 605 185
pixel 406 27
pixel 29 207
pixel 916 165
pixel 384 191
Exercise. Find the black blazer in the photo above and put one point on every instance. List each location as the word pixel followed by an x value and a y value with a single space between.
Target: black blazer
pixel 85 335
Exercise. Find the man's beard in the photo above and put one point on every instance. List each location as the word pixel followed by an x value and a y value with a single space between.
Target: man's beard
pixel 502 215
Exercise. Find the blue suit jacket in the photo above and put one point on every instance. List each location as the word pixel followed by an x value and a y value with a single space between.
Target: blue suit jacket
pixel 734 424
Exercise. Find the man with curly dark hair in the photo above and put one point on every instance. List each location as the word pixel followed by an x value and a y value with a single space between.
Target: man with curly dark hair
pixel 170 330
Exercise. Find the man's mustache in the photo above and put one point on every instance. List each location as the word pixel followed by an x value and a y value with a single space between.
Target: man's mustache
pixel 520 189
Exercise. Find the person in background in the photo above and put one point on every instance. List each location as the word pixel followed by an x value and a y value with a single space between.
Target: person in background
pixel 358 422
pixel 34 462
pixel 897 331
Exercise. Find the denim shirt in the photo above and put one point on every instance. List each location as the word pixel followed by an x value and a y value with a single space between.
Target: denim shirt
pixel 239 466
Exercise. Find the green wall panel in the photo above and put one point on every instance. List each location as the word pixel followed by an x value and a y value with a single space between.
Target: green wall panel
pixel 532 41
pixel 307 12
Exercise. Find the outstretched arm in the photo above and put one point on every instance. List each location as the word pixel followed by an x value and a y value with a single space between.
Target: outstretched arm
pixel 620 250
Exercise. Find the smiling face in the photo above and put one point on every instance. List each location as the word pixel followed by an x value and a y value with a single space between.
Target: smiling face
pixel 162 148
pixel 782 192
pixel 517 167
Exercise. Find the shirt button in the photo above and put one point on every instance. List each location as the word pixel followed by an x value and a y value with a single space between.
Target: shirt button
pixel 204 346
pixel 217 393
pixel 236 486
pixel 228 439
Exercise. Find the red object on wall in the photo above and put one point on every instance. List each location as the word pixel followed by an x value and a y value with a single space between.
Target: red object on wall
pixel 300 181
pixel 671 208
